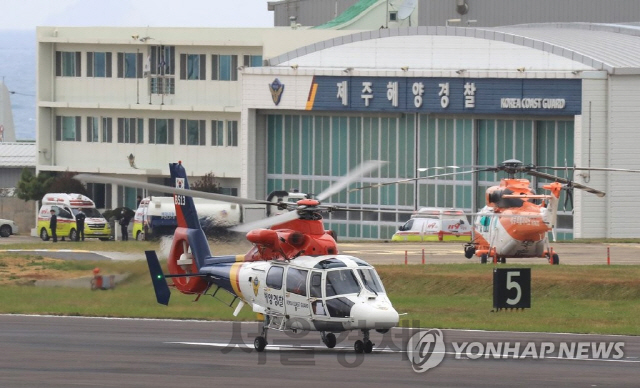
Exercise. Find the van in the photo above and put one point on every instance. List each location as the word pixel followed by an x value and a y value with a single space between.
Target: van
pixel 435 224
pixel 66 206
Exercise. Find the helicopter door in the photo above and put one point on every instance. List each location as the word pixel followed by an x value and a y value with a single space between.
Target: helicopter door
pixel 296 295
pixel 318 308
pixel 274 292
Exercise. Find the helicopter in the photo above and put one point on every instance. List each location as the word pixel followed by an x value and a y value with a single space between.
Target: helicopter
pixel 515 221
pixel 293 276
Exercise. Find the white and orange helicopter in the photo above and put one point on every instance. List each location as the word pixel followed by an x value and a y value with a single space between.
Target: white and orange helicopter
pixel 294 276
pixel 515 221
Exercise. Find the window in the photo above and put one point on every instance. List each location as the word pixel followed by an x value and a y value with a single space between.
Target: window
pixel 252 61
pixel 224 67
pixel 232 133
pixel 315 286
pixel 371 280
pixel 93 129
pixel 192 132
pixel 68 63
pixel 130 130
pixel 160 131
pixel 68 128
pixel 162 85
pixel 297 281
pixel 217 133
pixel 341 282
pixel 274 277
pixel 193 66
pixel 107 124
pixel 98 64
pixel 130 65
pixel 163 60
pixel 232 191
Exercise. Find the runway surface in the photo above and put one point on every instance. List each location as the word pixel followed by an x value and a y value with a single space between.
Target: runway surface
pixel 373 252
pixel 96 352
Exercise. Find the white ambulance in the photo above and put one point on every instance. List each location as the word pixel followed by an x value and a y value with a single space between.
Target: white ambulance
pixel 66 206
pixel 435 224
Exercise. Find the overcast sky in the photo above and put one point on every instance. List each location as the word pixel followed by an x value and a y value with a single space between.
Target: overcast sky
pixel 27 14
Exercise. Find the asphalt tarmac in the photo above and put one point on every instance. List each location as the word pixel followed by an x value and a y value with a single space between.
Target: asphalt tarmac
pixel 375 252
pixel 97 352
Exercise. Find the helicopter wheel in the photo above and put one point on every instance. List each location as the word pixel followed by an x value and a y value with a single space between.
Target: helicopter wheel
pixel 555 259
pixel 469 251
pixel 368 346
pixel 359 346
pixel 330 340
pixel 483 259
pixel 260 343
pixel 502 260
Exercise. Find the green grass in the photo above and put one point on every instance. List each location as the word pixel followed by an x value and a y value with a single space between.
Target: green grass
pixel 88 245
pixel 577 299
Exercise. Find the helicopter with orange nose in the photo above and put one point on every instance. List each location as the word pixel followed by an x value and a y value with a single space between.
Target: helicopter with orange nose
pixel 515 221
pixel 294 277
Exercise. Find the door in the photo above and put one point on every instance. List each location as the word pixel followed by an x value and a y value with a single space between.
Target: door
pixel 273 291
pixel 297 303
pixel 318 308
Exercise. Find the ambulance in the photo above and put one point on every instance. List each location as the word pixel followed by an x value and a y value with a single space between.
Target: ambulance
pixel 66 206
pixel 435 224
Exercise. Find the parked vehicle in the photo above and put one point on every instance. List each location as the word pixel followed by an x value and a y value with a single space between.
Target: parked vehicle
pixel 7 228
pixel 435 224
pixel 66 206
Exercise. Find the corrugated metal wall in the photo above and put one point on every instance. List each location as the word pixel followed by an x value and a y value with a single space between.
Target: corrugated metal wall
pixel 309 12
pixel 487 13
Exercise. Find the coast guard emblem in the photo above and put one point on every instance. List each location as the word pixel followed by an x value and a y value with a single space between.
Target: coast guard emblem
pixel 256 284
pixel 276 88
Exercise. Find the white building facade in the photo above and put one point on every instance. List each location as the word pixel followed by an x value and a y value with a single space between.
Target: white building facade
pixel 422 97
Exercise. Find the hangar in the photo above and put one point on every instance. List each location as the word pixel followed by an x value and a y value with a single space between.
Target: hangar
pixel 545 94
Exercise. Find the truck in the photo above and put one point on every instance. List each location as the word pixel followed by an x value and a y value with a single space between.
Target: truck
pixel 435 224
pixel 66 206
pixel 156 215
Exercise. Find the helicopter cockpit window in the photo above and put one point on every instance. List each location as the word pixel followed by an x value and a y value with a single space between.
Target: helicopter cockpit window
pixel 274 277
pixel 371 280
pixel 341 282
pixel 297 281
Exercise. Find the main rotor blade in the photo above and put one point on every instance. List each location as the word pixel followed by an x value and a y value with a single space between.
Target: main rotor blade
pixel 587 169
pixel 167 189
pixel 567 181
pixel 267 222
pixel 352 176
pixel 417 179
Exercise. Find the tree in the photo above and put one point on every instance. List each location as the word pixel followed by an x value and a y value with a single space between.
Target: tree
pixel 66 183
pixel 207 184
pixel 32 188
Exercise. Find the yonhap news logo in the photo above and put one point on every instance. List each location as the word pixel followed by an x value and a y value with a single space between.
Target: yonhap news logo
pixel 426 350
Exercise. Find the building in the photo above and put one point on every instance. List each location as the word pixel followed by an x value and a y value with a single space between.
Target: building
pixel 125 101
pixel 460 13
